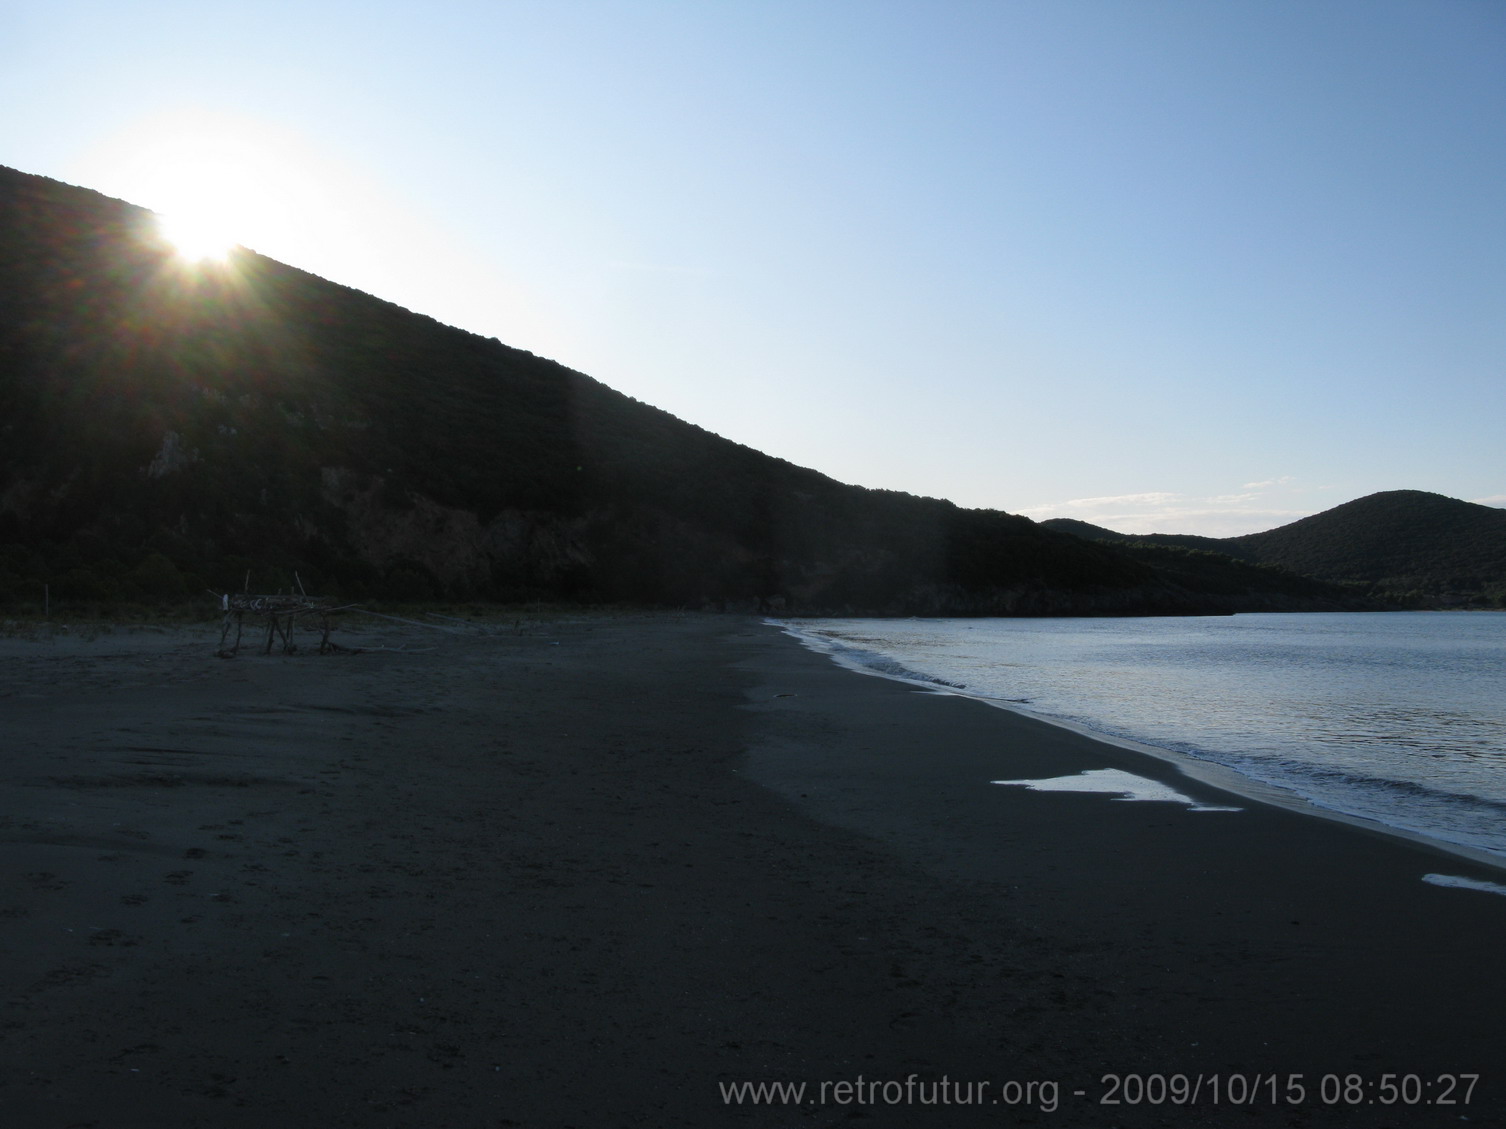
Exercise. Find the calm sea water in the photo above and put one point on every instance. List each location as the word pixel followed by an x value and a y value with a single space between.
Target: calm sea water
pixel 1395 717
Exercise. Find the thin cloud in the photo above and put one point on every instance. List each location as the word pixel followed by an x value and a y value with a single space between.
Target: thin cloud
pixel 1268 483
pixel 1497 500
pixel 1222 515
pixel 1111 502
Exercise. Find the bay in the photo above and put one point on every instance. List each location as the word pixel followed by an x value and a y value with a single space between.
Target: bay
pixel 1398 718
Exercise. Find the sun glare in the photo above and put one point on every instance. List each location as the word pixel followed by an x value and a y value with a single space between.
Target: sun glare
pixel 196 236
pixel 221 185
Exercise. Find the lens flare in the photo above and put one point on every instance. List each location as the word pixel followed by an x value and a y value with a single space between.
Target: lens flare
pixel 196 236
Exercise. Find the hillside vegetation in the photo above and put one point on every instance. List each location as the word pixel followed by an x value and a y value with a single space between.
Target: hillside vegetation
pixel 166 429
pixel 1408 546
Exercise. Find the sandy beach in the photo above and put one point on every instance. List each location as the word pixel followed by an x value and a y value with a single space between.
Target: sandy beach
pixel 603 871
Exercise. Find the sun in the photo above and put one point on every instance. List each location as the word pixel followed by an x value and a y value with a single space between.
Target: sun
pixel 213 182
pixel 197 234
pixel 223 186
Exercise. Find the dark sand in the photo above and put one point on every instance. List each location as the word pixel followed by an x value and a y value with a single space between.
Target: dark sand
pixel 583 876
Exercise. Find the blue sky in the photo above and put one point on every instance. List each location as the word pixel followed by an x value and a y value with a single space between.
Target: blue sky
pixel 1177 266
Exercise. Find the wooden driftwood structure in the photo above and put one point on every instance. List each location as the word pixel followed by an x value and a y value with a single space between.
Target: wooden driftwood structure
pixel 280 615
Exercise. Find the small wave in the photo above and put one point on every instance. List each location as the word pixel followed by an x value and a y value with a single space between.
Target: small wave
pixel 1463 883
pixel 871 662
pixel 1349 777
pixel 882 664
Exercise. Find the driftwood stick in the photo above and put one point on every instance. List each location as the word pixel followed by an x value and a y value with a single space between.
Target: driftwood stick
pixel 414 622
pixel 469 625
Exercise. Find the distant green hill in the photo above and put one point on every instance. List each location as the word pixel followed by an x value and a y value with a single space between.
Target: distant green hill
pixel 165 430
pixel 1405 544
pixel 1402 540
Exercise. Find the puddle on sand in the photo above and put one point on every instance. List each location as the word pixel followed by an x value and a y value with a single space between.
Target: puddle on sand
pixel 1122 785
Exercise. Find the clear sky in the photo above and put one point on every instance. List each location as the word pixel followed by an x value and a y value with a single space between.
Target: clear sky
pixel 1170 265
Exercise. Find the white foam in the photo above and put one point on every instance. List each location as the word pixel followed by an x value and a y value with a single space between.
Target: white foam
pixel 1122 785
pixel 1464 883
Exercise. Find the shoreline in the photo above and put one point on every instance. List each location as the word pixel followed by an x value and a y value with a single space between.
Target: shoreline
pixel 1210 772
pixel 594 873
pixel 1307 899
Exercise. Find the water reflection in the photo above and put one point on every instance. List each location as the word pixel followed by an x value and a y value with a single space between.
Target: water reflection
pixel 1122 785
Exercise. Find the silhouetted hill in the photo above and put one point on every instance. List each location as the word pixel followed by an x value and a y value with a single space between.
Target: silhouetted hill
pixel 1404 540
pixel 1406 544
pixel 1191 541
pixel 166 428
pixel 1086 530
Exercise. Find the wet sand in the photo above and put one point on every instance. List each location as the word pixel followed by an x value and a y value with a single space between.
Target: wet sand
pixel 590 874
